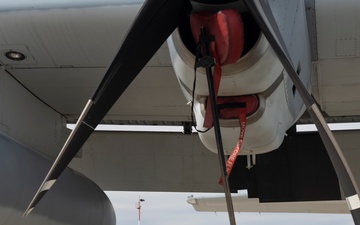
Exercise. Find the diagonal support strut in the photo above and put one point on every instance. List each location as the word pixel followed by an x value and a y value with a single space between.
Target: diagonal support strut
pixel 262 13
pixel 214 109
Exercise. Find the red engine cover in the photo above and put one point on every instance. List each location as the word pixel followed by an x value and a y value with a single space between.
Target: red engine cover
pixel 227 27
pixel 251 102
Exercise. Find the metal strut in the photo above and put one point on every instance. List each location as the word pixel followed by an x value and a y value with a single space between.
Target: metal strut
pixel 204 40
pixel 262 13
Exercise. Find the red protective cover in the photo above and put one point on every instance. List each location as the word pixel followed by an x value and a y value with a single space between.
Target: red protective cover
pixel 251 101
pixel 227 27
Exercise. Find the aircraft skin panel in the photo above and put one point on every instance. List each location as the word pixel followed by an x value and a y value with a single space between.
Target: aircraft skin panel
pixel 330 86
pixel 54 87
pixel 335 72
pixel 73 37
pixel 154 95
pixel 69 50
pixel 28 120
pixel 338 30
pixel 349 141
pixel 19 5
pixel 85 35
pixel 244 204
pixel 139 161
pixel 73 200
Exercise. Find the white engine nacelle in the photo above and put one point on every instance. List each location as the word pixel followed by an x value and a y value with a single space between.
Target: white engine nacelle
pixel 258 72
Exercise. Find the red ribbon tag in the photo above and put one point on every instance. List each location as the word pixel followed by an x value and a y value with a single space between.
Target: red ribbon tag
pixel 231 160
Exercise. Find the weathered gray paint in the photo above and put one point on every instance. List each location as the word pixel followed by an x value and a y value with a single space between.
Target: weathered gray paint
pixel 73 200
pixel 138 161
pixel 126 161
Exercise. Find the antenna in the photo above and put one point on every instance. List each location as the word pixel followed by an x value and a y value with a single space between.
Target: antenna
pixel 138 207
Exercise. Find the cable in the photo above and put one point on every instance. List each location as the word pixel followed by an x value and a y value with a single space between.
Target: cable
pixel 198 52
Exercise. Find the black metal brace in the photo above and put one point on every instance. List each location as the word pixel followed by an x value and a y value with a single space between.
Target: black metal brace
pixel 202 58
pixel 204 46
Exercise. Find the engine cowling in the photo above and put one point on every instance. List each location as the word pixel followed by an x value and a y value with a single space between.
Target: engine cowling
pixel 257 72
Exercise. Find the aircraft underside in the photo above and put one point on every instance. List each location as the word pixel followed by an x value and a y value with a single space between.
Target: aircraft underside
pixel 54 55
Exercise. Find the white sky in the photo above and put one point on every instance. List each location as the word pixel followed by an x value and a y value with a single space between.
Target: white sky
pixel 172 209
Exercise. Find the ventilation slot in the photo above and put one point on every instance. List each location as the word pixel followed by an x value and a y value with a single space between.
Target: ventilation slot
pixel 298 71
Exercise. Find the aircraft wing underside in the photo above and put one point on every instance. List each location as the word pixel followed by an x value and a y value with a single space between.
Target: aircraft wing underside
pixel 66 50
